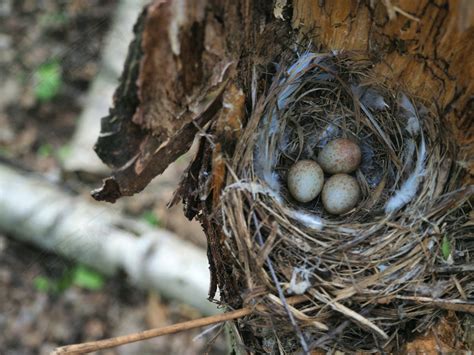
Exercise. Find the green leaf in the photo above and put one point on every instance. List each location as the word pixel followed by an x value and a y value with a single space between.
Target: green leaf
pixel 151 218
pixel 45 150
pixel 87 278
pixel 48 81
pixel 42 283
pixel 445 248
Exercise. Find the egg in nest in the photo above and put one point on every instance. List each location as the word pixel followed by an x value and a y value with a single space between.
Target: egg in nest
pixel 340 156
pixel 305 180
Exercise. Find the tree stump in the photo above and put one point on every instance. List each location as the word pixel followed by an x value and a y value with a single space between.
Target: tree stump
pixel 191 71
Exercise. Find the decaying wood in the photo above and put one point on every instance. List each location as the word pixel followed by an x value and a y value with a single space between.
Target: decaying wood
pixel 182 57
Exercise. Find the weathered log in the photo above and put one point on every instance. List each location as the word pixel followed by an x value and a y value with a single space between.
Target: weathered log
pixel 38 212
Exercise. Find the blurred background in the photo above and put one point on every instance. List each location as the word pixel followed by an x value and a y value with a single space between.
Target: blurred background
pixel 72 270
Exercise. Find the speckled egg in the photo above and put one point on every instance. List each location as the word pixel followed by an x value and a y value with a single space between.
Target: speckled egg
pixel 340 156
pixel 341 193
pixel 305 180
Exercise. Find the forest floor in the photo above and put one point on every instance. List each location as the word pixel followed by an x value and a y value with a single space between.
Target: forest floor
pixel 47 301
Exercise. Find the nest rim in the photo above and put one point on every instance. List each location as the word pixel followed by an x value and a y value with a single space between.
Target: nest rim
pixel 342 263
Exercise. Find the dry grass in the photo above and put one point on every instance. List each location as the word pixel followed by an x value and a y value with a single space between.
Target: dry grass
pixel 376 273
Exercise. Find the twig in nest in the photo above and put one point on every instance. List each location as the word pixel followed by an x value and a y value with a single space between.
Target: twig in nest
pixel 455 269
pixel 89 347
pixel 452 305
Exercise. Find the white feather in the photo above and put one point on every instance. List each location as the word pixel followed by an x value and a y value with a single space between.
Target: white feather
pixel 409 188
pixel 295 72
pixel 407 105
pixel 374 100
pixel 409 153
pixel 330 132
pixel 272 179
pixel 309 220
pixel 413 123
pixel 254 188
pixel 264 164
pixel 299 282
pixel 369 97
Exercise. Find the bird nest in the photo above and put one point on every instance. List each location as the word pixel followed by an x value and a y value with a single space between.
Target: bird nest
pixel 370 277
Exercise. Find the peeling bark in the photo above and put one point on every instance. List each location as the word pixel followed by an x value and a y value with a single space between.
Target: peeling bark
pixel 183 55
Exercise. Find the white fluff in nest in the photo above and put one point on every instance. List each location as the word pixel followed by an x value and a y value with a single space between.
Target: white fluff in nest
pixel 264 164
pixel 273 180
pixel 413 123
pixel 374 100
pixel 369 97
pixel 407 105
pixel 330 132
pixel 309 220
pixel 409 188
pixel 299 282
pixel 253 188
pixel 409 153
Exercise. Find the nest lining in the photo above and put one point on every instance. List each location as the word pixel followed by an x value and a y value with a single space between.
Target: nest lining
pixel 355 268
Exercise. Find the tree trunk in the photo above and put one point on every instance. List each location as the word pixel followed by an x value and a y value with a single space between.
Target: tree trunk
pixel 191 70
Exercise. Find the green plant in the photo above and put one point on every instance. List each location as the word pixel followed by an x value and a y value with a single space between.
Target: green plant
pixel 87 278
pixel 151 218
pixel 80 276
pixel 45 150
pixel 48 80
pixel 42 283
pixel 445 248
